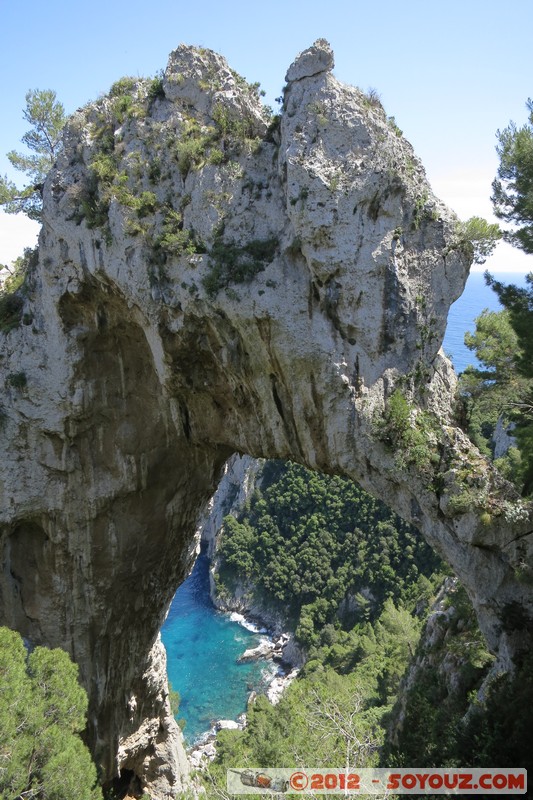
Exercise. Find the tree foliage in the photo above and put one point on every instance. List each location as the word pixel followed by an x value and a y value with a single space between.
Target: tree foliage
pixel 374 690
pixel 434 727
pixel 311 543
pixel 326 717
pixel 518 301
pixel 512 199
pixel 505 343
pixel 13 289
pixel 496 388
pixel 480 236
pixel 46 116
pixel 42 713
pixel 512 195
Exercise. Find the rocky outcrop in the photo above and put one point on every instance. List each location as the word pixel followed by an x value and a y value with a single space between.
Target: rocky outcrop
pixel 502 437
pixel 279 684
pixel 236 485
pixel 449 668
pixel 271 648
pixel 243 600
pixel 264 649
pixel 210 281
pixel 153 751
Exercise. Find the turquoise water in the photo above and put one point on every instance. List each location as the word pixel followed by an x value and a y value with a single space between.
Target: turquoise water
pixel 202 647
pixel 203 644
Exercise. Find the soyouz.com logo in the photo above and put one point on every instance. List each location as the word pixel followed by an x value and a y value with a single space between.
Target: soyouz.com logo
pixel 414 780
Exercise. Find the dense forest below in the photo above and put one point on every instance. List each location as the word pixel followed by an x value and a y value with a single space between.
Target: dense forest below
pixel 320 551
pixel 394 654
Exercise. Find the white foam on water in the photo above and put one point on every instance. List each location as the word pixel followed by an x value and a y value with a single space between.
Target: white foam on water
pixel 250 626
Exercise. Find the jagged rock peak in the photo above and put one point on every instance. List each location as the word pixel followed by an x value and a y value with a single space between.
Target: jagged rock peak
pixel 316 59
pixel 201 80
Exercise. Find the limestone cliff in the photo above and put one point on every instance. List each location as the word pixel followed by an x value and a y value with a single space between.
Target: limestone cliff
pixel 240 478
pixel 211 281
pixel 236 485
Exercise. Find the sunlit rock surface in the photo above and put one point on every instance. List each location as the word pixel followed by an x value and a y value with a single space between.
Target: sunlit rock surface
pixel 213 281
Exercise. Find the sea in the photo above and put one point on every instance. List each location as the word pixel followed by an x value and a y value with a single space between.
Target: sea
pixel 476 297
pixel 203 644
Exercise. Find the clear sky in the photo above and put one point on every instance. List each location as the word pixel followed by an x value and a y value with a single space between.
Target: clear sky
pixel 452 73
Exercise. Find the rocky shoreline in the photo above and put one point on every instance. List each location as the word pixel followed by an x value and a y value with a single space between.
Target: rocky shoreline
pixel 274 647
pixel 241 475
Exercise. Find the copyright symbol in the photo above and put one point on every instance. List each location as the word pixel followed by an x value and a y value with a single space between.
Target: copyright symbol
pixel 299 781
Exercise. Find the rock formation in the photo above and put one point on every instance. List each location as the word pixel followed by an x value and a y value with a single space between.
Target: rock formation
pixel 236 485
pixel 211 281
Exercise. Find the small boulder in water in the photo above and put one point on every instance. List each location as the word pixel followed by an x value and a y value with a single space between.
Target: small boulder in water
pixel 263 650
pixel 227 725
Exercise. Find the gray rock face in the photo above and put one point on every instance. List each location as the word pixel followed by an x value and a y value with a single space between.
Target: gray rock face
pixel 502 438
pixel 212 282
pixel 235 486
pixel 313 61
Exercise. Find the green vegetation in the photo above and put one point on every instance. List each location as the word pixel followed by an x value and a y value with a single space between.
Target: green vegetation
pixel 123 95
pixel 42 713
pixel 512 196
pixel 174 699
pixel 115 175
pixel 504 342
pixel 46 116
pixel 412 434
pixel 502 387
pixel 372 99
pixel 518 302
pixel 193 145
pixel 436 728
pixel 95 197
pixel 498 729
pixel 156 89
pixel 375 690
pixel 232 263
pixel 478 238
pixel 233 130
pixel 312 544
pixel 495 389
pixel 326 717
pixel 420 211
pixel 172 242
pixel 17 379
pixel 397 130
pixel 11 304
pixel 13 289
pixel 511 336
pixel 356 584
pixel 112 174
pixel 253 90
pixel 213 144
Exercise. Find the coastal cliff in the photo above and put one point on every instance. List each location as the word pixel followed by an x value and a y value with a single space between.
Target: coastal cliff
pixel 213 280
pixel 241 476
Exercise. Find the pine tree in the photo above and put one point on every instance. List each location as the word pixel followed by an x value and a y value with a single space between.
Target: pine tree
pixel 46 116
pixel 42 713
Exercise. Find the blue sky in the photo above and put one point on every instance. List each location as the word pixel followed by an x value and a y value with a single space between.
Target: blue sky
pixel 451 73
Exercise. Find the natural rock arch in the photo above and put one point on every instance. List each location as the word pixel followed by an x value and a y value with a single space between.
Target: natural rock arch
pixel 210 282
